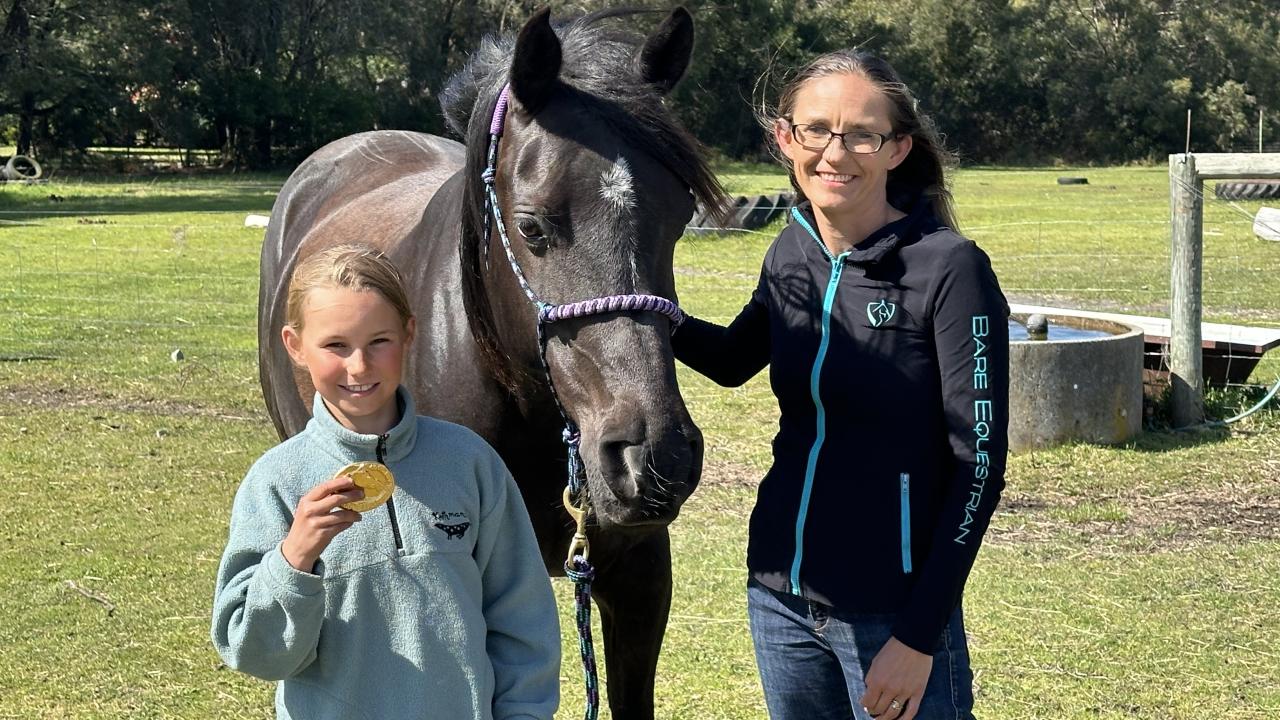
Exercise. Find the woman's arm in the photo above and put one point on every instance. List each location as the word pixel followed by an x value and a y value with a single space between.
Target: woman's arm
pixel 731 355
pixel 971 334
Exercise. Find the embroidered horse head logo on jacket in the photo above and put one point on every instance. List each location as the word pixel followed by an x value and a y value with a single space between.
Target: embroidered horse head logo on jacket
pixel 879 313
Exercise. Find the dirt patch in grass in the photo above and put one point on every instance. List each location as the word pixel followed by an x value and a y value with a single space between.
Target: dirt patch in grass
pixel 730 475
pixel 64 399
pixel 1242 511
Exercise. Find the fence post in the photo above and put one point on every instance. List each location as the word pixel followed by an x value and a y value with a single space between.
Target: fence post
pixel 1186 372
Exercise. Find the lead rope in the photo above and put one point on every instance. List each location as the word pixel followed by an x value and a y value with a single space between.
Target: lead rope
pixel 581 572
pixel 577 567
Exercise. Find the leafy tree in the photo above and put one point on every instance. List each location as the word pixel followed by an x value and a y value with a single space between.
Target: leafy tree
pixel 268 81
pixel 52 82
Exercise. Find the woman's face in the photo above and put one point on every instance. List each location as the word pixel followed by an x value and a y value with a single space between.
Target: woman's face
pixel 835 180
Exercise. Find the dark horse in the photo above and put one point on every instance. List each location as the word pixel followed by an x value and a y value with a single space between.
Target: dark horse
pixel 596 183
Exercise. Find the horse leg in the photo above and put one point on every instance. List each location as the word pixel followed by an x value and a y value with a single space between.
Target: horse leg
pixel 634 597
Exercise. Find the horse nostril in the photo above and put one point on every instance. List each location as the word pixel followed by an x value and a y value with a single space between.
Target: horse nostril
pixel 650 474
pixel 633 458
pixel 622 463
pixel 695 456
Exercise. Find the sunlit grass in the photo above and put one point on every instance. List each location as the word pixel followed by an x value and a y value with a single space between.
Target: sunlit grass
pixel 1128 582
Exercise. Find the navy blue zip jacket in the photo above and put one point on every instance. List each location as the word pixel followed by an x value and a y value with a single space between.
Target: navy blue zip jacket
pixel 890 365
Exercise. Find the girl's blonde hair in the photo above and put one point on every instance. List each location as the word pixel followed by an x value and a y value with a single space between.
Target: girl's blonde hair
pixel 352 266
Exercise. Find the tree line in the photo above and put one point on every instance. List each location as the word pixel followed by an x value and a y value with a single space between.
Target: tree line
pixel 264 82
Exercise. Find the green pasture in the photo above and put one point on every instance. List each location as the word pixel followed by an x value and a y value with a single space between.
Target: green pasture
pixel 1127 582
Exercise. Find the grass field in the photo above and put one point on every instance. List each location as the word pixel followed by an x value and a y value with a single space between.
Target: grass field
pixel 1127 582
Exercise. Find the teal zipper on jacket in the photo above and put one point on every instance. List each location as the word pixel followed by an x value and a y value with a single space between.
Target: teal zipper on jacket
pixel 904 490
pixel 828 299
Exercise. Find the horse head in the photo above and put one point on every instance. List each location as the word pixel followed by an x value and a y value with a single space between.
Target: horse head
pixel 595 182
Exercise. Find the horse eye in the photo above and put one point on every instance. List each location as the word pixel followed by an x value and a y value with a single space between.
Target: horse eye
pixel 529 228
pixel 531 231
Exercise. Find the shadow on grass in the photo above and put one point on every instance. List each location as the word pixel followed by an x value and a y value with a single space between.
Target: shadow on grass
pixel 136 196
pixel 1161 435
pixel 1165 440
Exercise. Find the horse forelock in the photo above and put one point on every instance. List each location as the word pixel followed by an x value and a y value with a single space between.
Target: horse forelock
pixel 599 54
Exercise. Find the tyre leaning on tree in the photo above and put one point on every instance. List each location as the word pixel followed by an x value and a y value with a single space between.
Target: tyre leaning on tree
pixel 21 167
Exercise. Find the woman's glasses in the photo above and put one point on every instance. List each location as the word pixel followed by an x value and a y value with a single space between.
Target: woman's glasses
pixel 818 137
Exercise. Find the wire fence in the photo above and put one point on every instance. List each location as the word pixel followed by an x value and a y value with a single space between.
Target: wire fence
pixel 118 289
pixel 1130 279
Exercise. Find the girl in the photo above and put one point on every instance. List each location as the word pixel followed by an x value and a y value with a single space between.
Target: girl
pixel 886 336
pixel 433 605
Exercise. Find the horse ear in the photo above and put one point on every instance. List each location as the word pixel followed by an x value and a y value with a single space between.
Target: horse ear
pixel 537 62
pixel 665 55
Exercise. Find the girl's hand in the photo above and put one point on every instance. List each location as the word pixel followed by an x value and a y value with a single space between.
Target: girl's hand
pixel 318 520
pixel 896 681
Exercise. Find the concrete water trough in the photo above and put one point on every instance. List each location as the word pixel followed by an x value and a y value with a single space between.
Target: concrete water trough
pixel 1081 384
pixel 1229 352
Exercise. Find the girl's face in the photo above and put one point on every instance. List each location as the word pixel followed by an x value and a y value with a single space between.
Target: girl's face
pixel 353 344
pixel 835 180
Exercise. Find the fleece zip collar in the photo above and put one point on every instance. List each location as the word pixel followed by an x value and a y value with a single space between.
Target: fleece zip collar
pixel 352 446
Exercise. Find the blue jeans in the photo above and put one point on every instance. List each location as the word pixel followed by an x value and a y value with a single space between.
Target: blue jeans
pixel 812 659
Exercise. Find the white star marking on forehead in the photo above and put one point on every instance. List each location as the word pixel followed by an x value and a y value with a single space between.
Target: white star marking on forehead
pixel 617 188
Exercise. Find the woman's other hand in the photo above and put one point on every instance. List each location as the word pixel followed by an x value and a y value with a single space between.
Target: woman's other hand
pixel 896 681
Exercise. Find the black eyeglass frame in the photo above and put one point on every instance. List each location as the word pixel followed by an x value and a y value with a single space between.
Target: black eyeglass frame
pixel 796 130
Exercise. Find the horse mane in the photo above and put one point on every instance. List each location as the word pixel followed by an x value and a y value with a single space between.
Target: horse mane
pixel 599 67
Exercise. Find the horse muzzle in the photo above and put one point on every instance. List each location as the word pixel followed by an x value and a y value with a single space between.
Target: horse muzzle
pixel 638 476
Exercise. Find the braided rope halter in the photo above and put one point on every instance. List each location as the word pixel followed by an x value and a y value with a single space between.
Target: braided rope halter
pixel 576 566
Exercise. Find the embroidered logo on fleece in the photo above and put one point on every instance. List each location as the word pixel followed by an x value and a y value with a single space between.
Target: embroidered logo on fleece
pixel 880 312
pixel 452 530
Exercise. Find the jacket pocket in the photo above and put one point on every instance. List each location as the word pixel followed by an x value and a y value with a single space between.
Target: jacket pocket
pixel 904 491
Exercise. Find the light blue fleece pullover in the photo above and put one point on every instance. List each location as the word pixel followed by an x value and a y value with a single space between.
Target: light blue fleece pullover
pixel 434 605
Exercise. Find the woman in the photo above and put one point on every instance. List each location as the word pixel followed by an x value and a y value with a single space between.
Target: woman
pixel 887 340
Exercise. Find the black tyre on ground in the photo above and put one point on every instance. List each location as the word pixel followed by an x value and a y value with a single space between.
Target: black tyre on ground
pixel 744 213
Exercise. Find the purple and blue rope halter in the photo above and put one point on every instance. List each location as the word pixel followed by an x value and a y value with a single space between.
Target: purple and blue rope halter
pixel 548 312
pixel 576 568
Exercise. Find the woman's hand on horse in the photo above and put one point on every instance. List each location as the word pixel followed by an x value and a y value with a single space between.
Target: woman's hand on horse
pixel 317 521
pixel 899 674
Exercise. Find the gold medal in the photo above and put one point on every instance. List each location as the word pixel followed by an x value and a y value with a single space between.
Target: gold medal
pixel 376 481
